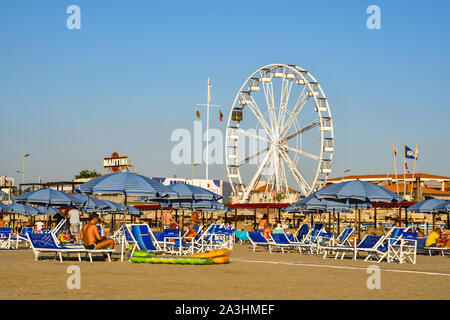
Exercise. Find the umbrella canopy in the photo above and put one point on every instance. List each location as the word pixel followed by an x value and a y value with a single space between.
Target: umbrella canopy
pixel 49 197
pixel 188 191
pixel 51 211
pixel 358 191
pixel 200 205
pixel 126 183
pixel 92 204
pixel 3 207
pixel 314 204
pixel 21 208
pixel 425 205
pixel 114 207
pixel 443 207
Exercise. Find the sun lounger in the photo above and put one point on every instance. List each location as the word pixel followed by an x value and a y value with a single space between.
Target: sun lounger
pixel 6 236
pixel 282 242
pixel 404 248
pixel 341 241
pixel 241 235
pixel 257 239
pixel 430 250
pixel 142 237
pixel 47 242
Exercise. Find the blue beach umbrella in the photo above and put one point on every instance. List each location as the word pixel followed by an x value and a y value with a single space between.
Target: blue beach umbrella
pixel 188 191
pixel 357 192
pixel 91 204
pixel 50 210
pixel 126 183
pixel 428 205
pixel 21 208
pixel 48 197
pixel 443 207
pixel 3 207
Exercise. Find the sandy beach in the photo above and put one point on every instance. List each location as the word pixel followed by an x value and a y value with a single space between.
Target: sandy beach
pixel 260 275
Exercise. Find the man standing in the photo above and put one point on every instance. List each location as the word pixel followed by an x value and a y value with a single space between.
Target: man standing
pixel 167 219
pixel 74 220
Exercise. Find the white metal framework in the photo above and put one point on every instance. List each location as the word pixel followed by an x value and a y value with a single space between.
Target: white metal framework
pixel 282 111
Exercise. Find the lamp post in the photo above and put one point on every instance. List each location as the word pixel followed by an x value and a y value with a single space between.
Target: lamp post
pixel 344 172
pixel 23 165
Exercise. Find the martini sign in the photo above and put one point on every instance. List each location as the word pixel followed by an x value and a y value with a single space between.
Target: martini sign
pixel 115 162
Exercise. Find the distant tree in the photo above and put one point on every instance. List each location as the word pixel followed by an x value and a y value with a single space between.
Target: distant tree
pixel 87 174
pixel 280 196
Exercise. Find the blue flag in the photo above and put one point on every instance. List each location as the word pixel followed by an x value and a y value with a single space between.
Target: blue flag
pixel 409 154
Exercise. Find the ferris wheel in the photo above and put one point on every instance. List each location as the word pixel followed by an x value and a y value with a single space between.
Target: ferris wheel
pixel 279 136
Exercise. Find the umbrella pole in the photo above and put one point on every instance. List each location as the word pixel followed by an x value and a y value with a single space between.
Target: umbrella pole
pixel 359 221
pixel 123 224
pixel 338 223
pixel 375 218
pixel 235 218
pixel 434 221
pixel 329 221
pixel 254 219
pixel 399 216
pixel 406 217
pixel 448 221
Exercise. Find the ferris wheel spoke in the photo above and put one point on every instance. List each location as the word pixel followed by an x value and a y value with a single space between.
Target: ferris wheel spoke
pixel 298 176
pixel 252 156
pixel 257 113
pixel 310 126
pixel 301 102
pixel 268 94
pixel 253 135
pixel 257 175
pixel 303 153
pixel 284 100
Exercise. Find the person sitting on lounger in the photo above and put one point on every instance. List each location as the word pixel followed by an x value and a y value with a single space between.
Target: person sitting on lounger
pixel 433 239
pixel 2 222
pixel 267 231
pixel 191 234
pixel 91 237
pixel 194 219
pixel 420 233
pixel 263 222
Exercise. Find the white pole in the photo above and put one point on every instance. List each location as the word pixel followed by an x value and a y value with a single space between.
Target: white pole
pixel 395 167
pixel 414 169
pixel 207 128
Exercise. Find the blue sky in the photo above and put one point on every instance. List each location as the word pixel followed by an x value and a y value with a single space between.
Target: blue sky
pixel 134 71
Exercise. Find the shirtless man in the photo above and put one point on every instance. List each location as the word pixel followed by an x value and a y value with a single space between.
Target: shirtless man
pixel 91 237
pixel 191 234
pixel 194 219
pixel 167 219
pixel 263 222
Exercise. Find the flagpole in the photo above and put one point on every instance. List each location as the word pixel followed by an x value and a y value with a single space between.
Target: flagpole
pixel 207 128
pixel 414 169
pixel 395 166
pixel 404 165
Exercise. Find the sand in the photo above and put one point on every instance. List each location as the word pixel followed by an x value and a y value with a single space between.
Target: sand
pixel 259 275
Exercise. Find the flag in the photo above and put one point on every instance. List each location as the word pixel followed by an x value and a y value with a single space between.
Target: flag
pixel 197 113
pixel 417 154
pixel 406 167
pixel 220 116
pixel 5 182
pixel 409 154
pixel 394 150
